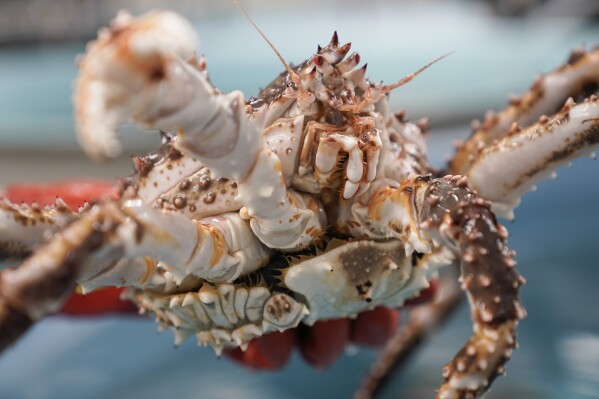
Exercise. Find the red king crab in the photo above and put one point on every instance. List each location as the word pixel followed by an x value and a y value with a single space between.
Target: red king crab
pixel 308 202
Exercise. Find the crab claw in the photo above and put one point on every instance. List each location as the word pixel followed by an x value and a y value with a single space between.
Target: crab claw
pixel 123 71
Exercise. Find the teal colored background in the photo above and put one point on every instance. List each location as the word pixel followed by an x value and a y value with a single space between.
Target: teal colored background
pixel 555 232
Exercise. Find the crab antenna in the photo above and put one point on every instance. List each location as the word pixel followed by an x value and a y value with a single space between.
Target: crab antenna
pixel 296 79
pixel 408 78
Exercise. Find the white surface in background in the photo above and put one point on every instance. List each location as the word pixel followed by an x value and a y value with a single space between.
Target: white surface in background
pixel 493 57
pixel 580 356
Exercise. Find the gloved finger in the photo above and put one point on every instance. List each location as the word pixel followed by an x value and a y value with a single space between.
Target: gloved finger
pixel 375 327
pixel 103 300
pixel 269 352
pixel 321 344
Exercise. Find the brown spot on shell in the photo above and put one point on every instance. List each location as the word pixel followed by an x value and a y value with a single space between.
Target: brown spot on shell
pixel 180 201
pixel 185 185
pixel 209 198
pixel 205 182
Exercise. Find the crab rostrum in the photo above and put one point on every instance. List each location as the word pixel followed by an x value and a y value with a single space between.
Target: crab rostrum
pixel 310 201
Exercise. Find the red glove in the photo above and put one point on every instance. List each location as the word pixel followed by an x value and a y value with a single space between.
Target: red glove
pixel 320 345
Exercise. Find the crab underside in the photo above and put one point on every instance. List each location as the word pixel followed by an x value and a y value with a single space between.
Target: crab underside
pixel 310 201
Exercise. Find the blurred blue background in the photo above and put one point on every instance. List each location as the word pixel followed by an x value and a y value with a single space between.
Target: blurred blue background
pixel 499 47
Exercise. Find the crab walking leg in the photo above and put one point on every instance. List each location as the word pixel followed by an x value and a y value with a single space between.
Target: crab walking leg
pixel 219 249
pixel 125 71
pixel 22 227
pixel 128 73
pixel 579 77
pixel 44 281
pixel 506 170
pixel 444 213
pixel 138 273
pixel 136 69
pixel 454 215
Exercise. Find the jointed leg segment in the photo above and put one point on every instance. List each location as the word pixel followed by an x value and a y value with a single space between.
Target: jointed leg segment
pixel 578 78
pixel 22 227
pixel 40 285
pixel 220 249
pixel 511 151
pixel 455 215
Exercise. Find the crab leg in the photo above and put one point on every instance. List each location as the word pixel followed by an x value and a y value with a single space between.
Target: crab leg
pixel 22 227
pixel 454 215
pixel 41 284
pixel 219 248
pixel 428 214
pixel 121 72
pixel 136 69
pixel 579 78
pixel 506 170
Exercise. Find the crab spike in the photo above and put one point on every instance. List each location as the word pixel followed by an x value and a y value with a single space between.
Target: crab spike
pixel 322 64
pixel 568 105
pixel 576 55
pixel 180 336
pixel 358 76
pixel 514 129
pixel 334 40
pixel 336 54
pixel 349 63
